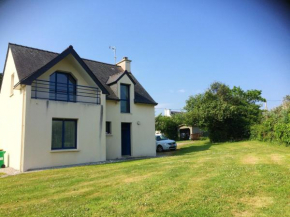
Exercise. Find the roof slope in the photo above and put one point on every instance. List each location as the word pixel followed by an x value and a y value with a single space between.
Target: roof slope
pixel 29 60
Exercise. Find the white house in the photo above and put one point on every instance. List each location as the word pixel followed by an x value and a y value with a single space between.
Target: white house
pixel 59 109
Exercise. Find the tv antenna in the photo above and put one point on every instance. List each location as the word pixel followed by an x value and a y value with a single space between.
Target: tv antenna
pixel 114 49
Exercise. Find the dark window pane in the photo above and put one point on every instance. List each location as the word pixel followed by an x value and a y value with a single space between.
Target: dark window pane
pixel 56 134
pixel 124 107
pixel 52 87
pixel 62 78
pixel 72 93
pixel 61 87
pixel 108 127
pixel 71 80
pixel 69 134
pixel 124 92
pixel 125 98
pixel 72 88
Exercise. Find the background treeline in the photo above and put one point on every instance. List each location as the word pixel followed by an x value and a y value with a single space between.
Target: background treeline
pixel 227 114
pixel 231 114
pixel 274 125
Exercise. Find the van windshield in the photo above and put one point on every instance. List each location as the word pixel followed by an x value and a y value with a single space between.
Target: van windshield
pixel 161 137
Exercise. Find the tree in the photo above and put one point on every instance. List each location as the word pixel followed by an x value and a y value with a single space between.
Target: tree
pixel 225 113
pixel 168 125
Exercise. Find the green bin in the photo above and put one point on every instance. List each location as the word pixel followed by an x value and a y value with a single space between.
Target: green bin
pixel 2 165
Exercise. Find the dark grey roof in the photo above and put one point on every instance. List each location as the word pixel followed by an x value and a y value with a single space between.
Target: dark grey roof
pixel 113 78
pixel 29 60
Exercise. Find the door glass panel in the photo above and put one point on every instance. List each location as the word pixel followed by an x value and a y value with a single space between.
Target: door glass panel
pixel 72 89
pixel 61 87
pixel 52 87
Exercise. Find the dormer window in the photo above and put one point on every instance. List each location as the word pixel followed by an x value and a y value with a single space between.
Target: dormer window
pixel 62 87
pixel 125 98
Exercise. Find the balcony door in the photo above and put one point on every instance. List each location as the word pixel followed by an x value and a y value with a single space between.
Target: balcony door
pixel 62 87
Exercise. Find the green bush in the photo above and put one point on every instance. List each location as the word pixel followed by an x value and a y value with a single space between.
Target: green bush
pixel 274 125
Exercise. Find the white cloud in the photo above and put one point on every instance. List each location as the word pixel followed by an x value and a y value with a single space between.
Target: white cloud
pixel 181 91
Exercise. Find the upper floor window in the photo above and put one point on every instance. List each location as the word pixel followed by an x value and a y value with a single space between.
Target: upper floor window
pixel 62 87
pixel 125 98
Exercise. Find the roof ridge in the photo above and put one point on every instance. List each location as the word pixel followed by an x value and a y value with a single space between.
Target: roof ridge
pixel 100 62
pixel 59 53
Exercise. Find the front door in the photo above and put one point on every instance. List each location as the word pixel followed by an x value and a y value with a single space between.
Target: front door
pixel 126 138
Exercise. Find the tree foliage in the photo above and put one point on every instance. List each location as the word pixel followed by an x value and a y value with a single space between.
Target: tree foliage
pixel 168 125
pixel 274 125
pixel 225 113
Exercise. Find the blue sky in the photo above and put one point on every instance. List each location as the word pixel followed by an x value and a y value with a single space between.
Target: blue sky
pixel 177 48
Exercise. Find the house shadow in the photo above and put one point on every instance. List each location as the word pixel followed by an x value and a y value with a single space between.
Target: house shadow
pixel 192 149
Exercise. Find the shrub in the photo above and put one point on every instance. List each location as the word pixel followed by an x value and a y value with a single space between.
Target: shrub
pixel 274 125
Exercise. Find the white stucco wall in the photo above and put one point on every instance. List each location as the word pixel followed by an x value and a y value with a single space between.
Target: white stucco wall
pixel 11 116
pixel 38 133
pixel 142 136
pixel 91 139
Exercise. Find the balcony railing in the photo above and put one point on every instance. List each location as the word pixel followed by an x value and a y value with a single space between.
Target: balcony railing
pixel 43 89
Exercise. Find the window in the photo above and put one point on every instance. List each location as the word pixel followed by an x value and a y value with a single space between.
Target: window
pixel 108 128
pixel 125 98
pixel 12 85
pixel 64 134
pixel 62 87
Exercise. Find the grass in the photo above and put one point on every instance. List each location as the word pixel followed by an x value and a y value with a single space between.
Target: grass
pixel 199 179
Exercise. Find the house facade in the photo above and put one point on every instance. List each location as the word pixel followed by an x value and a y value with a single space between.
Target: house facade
pixel 59 109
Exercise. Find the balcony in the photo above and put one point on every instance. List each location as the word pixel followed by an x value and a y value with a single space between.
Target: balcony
pixel 56 91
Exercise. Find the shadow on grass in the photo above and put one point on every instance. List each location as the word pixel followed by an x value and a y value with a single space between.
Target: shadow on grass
pixel 193 148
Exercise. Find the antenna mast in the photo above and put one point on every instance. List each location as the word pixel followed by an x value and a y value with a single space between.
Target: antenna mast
pixel 114 49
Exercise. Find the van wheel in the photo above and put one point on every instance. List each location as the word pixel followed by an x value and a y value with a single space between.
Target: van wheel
pixel 159 148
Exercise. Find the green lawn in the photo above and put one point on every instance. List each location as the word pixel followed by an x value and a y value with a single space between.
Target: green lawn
pixel 201 179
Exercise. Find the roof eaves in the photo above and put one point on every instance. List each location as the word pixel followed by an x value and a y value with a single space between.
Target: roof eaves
pixel 150 103
pixel 4 67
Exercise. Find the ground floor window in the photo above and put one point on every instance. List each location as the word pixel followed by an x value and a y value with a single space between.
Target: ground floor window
pixel 108 127
pixel 64 134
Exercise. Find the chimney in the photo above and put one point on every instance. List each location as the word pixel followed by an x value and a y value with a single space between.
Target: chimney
pixel 167 112
pixel 125 63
